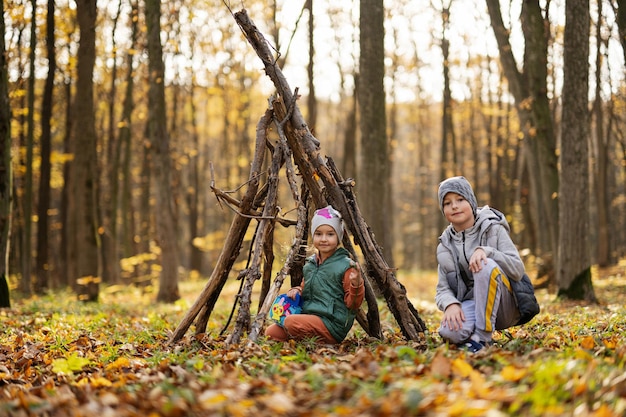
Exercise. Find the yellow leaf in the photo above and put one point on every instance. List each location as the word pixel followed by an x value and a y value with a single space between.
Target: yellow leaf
pixel 512 373
pixel 458 408
pixel 462 368
pixel 100 382
pixel 603 411
pixel 610 343
pixel 588 342
pixel 211 399
pixel 120 362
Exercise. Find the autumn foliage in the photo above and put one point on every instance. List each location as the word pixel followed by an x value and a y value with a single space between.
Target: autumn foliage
pixel 61 357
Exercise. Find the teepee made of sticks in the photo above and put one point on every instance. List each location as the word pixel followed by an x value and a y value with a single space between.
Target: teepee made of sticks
pixel 321 184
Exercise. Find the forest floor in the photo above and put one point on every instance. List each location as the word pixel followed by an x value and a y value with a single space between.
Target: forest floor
pixel 61 357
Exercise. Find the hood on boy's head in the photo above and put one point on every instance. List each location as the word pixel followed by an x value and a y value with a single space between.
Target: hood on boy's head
pixel 327 215
pixel 459 185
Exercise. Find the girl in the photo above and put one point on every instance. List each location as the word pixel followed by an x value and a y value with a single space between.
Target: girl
pixel 476 258
pixel 332 289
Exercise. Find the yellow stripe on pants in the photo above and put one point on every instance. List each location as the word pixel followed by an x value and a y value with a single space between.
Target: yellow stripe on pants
pixel 491 298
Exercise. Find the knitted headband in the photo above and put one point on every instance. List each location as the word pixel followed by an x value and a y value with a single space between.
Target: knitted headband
pixel 327 215
pixel 458 185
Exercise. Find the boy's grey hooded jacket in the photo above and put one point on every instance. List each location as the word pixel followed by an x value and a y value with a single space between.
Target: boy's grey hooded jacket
pixel 491 233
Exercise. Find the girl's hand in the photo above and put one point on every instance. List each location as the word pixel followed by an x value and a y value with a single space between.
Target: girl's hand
pixel 293 292
pixel 355 275
pixel 453 317
pixel 478 259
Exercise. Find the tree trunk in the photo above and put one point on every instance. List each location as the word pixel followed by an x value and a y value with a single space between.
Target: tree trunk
pixel 574 265
pixel 68 244
pixel 602 143
pixel 42 266
pixel 109 183
pixel 311 99
pixel 449 158
pixel 374 173
pixel 349 165
pixel 27 197
pixel 530 92
pixel 193 202
pixel 123 196
pixel 125 145
pixel 158 136
pixel 621 24
pixel 84 142
pixel 6 194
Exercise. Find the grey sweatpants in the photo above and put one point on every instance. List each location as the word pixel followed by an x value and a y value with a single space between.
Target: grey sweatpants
pixel 493 307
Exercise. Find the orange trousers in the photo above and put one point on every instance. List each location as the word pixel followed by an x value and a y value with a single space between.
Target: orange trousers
pixel 300 326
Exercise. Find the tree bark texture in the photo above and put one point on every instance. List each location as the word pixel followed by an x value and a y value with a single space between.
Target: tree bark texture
pixel 374 173
pixel 6 187
pixel 574 264
pixel 84 141
pixel 161 163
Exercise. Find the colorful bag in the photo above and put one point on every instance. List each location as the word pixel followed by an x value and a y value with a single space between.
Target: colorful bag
pixel 284 306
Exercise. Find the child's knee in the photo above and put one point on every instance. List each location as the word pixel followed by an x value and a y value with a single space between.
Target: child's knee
pixel 275 332
pixel 485 273
pixel 454 336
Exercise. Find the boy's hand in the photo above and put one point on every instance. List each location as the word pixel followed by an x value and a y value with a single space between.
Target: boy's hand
pixel 477 260
pixel 453 317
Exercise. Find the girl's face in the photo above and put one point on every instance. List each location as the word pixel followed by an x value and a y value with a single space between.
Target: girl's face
pixel 325 240
pixel 458 211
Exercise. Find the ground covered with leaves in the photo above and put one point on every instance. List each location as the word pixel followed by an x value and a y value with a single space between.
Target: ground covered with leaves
pixel 60 357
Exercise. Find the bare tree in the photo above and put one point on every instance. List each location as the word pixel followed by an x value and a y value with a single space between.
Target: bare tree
pixel 124 145
pixel 374 173
pixel 108 195
pixel 27 197
pixel 621 24
pixel 602 141
pixel 84 142
pixel 161 164
pixel 42 267
pixel 311 98
pixel 574 264
pixel 6 185
pixel 529 89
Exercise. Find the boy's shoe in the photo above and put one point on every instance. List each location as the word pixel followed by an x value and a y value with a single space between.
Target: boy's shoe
pixel 473 346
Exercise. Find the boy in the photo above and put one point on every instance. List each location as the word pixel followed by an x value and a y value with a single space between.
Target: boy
pixel 476 261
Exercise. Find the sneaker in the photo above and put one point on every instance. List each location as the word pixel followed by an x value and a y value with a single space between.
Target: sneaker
pixel 473 346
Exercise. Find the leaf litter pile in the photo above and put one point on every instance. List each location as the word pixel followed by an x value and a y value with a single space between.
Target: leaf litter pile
pixel 60 357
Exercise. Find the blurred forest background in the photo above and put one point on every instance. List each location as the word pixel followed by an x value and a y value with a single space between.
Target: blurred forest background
pixel 122 114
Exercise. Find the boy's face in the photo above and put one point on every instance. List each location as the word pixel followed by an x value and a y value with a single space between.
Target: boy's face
pixel 458 211
pixel 325 240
